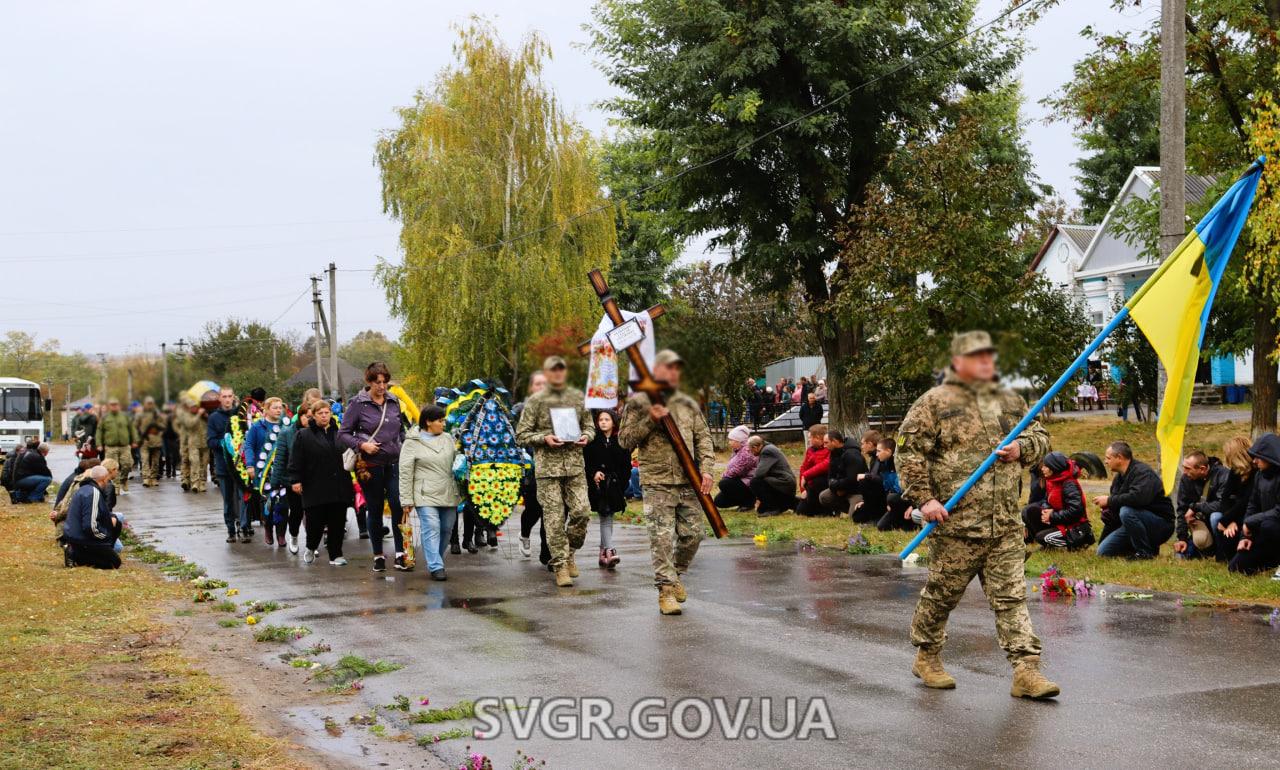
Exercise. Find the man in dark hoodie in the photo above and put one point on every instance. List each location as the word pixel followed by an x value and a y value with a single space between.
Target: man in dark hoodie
pixel 1259 548
pixel 1139 501
pixel 847 463
pixel 225 473
pixel 1199 491
pixel 90 531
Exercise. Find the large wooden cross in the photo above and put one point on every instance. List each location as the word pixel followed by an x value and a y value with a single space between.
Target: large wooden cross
pixel 657 391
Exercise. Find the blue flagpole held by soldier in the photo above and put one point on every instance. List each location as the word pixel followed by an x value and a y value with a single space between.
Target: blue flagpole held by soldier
pixel 1017 430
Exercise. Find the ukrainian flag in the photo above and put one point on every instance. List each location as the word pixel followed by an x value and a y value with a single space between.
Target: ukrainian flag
pixel 1172 308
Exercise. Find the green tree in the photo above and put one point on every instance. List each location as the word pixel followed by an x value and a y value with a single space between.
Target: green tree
pixel 932 253
pixel 369 346
pixel 706 79
pixel 1128 349
pixel 1231 61
pixel 502 215
pixel 238 353
pixel 647 241
pixel 727 331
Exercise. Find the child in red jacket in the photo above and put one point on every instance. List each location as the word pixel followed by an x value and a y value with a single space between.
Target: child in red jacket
pixel 1060 520
pixel 813 472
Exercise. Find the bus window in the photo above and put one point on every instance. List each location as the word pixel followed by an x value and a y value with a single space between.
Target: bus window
pixel 20 405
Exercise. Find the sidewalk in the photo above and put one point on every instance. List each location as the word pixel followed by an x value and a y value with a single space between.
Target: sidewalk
pixel 1200 415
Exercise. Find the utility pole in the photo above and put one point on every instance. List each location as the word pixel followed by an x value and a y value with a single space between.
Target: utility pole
pixel 129 372
pixel 315 306
pixel 1173 137
pixel 275 370
pixel 164 366
pixel 335 385
pixel 102 358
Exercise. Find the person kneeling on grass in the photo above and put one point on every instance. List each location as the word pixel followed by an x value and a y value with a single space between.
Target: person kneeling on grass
pixel 1259 547
pixel 91 531
pixel 734 489
pixel 1143 512
pixel 1061 520
pixel 1200 491
pixel 774 483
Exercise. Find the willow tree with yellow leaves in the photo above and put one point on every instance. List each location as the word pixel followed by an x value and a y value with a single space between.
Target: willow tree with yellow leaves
pixel 502 214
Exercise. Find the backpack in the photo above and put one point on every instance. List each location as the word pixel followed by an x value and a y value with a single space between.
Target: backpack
pixel 9 472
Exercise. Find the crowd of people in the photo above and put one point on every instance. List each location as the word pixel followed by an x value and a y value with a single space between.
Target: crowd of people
pixel 305 469
pixel 764 401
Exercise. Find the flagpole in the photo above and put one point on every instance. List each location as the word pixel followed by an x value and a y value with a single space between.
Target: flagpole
pixel 1027 419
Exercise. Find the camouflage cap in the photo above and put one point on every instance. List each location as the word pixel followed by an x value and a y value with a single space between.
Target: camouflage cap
pixel 667 356
pixel 551 362
pixel 969 343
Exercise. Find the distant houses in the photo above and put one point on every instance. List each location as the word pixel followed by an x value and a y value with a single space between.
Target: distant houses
pixel 1096 264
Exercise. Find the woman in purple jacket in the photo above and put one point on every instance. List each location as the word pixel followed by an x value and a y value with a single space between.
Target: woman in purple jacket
pixel 372 426
pixel 734 489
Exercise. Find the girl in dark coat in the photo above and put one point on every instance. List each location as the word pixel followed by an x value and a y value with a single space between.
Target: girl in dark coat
pixel 608 468
pixel 316 473
pixel 1060 520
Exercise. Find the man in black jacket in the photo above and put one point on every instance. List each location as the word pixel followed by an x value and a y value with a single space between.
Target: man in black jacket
pixel 225 473
pixel 847 463
pixel 1199 492
pixel 1259 548
pixel 1139 501
pixel 32 475
pixel 811 412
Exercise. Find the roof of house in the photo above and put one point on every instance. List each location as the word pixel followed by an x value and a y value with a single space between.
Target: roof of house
pixel 1079 235
pixel 1195 187
pixel 348 374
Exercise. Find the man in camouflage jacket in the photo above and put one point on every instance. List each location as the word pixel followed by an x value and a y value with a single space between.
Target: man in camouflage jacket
pixel 671 508
pixel 192 425
pixel 150 424
pixel 944 437
pixel 558 466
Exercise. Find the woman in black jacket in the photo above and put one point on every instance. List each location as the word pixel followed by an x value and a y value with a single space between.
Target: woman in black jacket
pixel 316 473
pixel 1226 513
pixel 608 468
pixel 1259 547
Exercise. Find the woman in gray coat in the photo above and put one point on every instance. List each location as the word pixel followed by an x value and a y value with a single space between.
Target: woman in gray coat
pixel 427 485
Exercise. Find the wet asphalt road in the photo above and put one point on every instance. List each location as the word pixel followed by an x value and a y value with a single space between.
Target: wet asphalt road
pixel 1145 683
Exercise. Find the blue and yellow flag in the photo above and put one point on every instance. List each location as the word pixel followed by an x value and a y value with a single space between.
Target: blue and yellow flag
pixel 1172 308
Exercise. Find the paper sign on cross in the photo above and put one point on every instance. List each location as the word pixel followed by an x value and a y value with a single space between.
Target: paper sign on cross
pixel 657 391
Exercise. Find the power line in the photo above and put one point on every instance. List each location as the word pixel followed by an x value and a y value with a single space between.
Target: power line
pixel 196 227
pixel 754 140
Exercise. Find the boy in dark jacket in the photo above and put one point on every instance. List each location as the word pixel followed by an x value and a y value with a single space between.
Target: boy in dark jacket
pixel 1143 514
pixel 1259 547
pixel 1060 520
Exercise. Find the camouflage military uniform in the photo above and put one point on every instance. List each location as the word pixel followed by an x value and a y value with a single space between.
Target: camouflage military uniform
pixel 192 429
pixel 944 437
pixel 150 425
pixel 116 432
pixel 671 508
pixel 560 471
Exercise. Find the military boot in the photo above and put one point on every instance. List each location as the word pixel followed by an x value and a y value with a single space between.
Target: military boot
pixel 928 669
pixel 572 565
pixel 667 603
pixel 680 594
pixel 564 578
pixel 1028 682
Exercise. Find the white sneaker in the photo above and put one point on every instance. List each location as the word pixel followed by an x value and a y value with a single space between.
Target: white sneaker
pixel 525 550
pixel 293 544
pixel 338 562
pixel 308 555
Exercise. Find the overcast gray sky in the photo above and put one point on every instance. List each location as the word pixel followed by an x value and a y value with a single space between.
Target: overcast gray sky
pixel 164 163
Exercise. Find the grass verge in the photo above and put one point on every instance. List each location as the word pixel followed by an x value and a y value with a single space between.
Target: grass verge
pixel 93 678
pixel 1090 434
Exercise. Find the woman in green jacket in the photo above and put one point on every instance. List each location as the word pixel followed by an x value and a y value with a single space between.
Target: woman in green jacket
pixel 427 484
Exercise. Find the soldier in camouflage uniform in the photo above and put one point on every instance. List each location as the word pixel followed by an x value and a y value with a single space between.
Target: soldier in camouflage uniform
pixel 945 436
pixel 192 424
pixel 558 466
pixel 150 425
pixel 117 436
pixel 671 508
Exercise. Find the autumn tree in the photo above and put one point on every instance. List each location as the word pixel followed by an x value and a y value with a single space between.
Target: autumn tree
pixel 502 215
pixel 770 120
pixel 1231 61
pixel 239 353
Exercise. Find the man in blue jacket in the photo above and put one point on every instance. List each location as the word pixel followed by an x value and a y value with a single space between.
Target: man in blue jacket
pixel 224 470
pixel 91 531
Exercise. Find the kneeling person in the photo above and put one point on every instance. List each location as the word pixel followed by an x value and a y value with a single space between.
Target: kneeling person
pixel 1060 520
pixel 90 531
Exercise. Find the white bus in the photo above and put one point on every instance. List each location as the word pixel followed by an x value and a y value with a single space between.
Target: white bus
pixel 21 412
